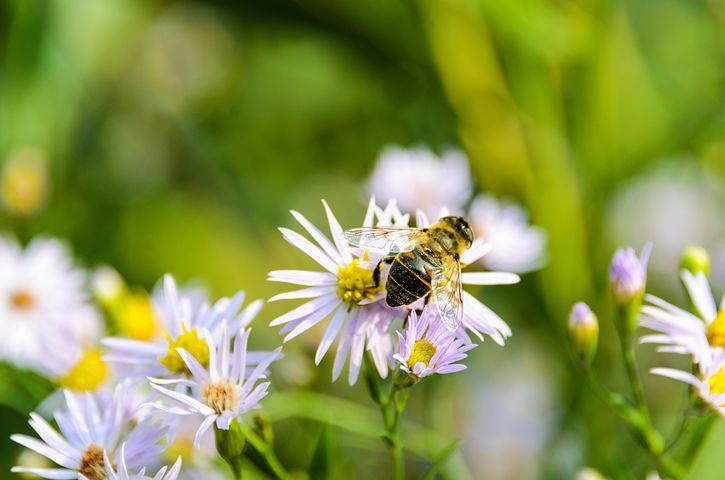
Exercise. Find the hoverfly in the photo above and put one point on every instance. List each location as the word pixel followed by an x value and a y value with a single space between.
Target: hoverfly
pixel 423 262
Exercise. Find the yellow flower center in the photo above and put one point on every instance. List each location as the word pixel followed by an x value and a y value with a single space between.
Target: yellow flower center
pixel 221 396
pixel 22 300
pixel 716 330
pixel 136 317
pixel 92 465
pixel 423 351
pixel 190 341
pixel 88 374
pixel 355 283
pixel 717 382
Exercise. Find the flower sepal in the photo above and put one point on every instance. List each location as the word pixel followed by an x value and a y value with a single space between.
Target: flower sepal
pixel 405 380
pixel 230 446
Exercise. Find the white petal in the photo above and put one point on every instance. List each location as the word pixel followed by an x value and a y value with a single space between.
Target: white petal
pixel 208 421
pixel 319 237
pixel 677 375
pixel 303 277
pixel 330 333
pixel 309 292
pixel 699 290
pixel 305 309
pixel 312 250
pixel 51 473
pixel 312 320
pixel 337 237
pixel 489 278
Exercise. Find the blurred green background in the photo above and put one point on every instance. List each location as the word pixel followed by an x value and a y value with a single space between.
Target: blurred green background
pixel 179 134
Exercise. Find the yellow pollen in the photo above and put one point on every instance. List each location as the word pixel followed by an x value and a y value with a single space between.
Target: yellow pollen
pixel 423 351
pixel 22 299
pixel 717 382
pixel 88 374
pixel 190 341
pixel 92 465
pixel 221 396
pixel 716 330
pixel 355 283
pixel 136 318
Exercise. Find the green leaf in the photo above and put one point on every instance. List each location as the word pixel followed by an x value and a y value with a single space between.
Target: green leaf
pixel 22 390
pixel 322 465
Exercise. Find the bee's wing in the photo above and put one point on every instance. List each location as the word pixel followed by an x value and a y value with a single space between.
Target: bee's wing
pixel 448 293
pixel 384 239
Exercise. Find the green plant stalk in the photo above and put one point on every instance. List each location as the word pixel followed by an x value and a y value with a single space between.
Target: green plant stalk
pixel 266 450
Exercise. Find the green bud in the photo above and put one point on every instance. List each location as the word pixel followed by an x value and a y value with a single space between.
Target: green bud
pixel 404 380
pixel 583 332
pixel 588 474
pixel 230 446
pixel 695 259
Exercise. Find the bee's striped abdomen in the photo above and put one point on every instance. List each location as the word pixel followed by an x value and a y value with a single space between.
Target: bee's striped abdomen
pixel 407 280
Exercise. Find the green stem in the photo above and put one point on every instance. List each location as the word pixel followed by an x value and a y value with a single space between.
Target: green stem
pixel 266 450
pixel 230 446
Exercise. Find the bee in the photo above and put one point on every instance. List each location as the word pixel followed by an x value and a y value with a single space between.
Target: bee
pixel 424 263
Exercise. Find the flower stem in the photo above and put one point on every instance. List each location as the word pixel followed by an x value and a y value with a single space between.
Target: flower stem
pixel 230 446
pixel 266 450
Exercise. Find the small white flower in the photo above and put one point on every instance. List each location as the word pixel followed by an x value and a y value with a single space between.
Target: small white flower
pixel 86 430
pixel 679 331
pixel 419 179
pixel 183 316
pixel 516 246
pixel 221 392
pixel 709 384
pixel 345 291
pixel 427 346
pixel 628 273
pixel 41 297
pixel 477 317
pixel 164 472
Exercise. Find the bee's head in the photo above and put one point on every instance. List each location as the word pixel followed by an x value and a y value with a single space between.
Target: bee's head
pixel 461 227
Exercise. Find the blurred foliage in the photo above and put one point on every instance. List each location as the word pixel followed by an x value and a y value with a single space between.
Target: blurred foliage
pixel 178 134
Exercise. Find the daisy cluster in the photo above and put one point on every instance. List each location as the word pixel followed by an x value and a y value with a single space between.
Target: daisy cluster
pixel 345 293
pixel 141 378
pixel 179 366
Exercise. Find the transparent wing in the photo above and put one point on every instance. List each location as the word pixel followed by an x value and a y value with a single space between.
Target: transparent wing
pixel 448 293
pixel 384 239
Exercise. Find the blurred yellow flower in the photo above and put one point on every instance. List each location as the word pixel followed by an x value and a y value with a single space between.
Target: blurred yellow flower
pixel 136 317
pixel 88 374
pixel 24 181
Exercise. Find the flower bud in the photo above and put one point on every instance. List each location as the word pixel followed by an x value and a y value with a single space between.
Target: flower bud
pixel 583 332
pixel 628 275
pixel 107 286
pixel 588 474
pixel 695 259
pixel 230 446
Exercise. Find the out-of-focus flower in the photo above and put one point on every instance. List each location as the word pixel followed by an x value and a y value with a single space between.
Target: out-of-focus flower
pixel 628 274
pixel 477 317
pixel 427 347
pixel 709 384
pixel 24 181
pixel 122 473
pixel 516 246
pixel 680 331
pixel 86 431
pixel 158 357
pixel 107 286
pixel 589 474
pixel 346 290
pixel 583 332
pixel 42 300
pixel 418 178
pixel 220 392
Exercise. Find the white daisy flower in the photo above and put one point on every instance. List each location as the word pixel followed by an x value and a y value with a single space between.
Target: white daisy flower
pixel 220 392
pixel 430 182
pixel 516 246
pixel 122 472
pixel 86 430
pixel 345 291
pixel 709 384
pixel 679 331
pixel 477 317
pixel 41 296
pixel 183 319
pixel 428 347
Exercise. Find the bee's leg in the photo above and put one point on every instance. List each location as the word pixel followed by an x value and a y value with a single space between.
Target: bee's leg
pixel 379 268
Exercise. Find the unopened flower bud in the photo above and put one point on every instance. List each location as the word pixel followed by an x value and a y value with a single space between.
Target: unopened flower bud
pixel 628 275
pixel 695 259
pixel 107 286
pixel 583 332
pixel 588 474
